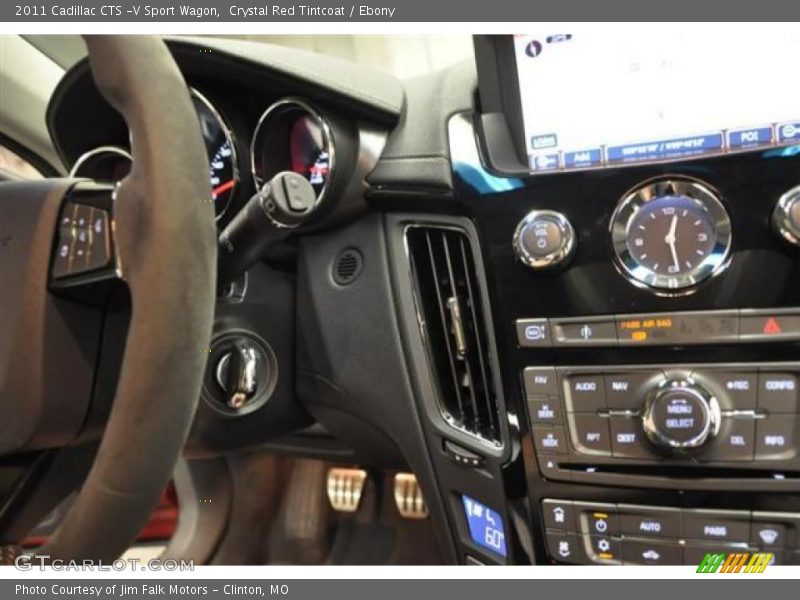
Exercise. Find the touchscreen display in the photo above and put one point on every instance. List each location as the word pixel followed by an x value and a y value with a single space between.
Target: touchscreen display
pixel 648 94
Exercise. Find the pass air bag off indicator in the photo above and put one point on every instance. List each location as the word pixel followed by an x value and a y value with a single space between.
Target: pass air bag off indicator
pixel 679 328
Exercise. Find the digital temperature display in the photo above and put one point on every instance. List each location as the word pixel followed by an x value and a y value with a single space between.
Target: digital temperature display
pixel 485 526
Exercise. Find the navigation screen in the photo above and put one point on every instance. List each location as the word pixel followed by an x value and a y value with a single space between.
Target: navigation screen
pixel 597 99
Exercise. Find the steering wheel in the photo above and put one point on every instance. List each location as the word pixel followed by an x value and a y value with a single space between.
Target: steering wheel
pixel 154 233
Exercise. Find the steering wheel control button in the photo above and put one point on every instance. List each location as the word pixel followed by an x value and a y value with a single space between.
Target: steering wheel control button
pixel 540 381
pixel 591 434
pixel 716 526
pixel 584 332
pixel 777 392
pixel 635 552
pixel 776 437
pixel 786 217
pixel 627 390
pixel 627 438
pixel 558 515
pixel 549 440
pixel 544 239
pixel 649 522
pixel 587 393
pixel 83 243
pixel 533 333
pixel 680 414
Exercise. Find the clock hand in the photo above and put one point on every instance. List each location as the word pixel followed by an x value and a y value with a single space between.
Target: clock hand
pixel 670 239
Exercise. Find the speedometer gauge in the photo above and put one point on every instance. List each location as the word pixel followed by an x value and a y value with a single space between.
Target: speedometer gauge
pixel 293 136
pixel 670 235
pixel 221 151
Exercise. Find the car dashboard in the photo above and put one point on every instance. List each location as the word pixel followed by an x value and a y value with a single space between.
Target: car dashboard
pixel 591 361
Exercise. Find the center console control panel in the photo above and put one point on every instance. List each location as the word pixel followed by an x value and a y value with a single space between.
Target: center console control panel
pixel 606 533
pixel 596 421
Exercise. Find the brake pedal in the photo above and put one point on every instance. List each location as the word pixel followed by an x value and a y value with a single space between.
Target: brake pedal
pixel 345 487
pixel 408 497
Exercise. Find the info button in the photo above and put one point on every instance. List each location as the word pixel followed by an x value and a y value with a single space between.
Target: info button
pixel 584 332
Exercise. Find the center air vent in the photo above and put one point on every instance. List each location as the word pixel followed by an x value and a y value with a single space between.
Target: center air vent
pixel 453 324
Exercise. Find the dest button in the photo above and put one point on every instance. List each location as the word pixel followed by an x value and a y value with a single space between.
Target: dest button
pixel 627 438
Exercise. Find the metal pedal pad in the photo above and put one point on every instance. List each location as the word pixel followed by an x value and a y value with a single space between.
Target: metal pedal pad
pixel 345 487
pixel 408 497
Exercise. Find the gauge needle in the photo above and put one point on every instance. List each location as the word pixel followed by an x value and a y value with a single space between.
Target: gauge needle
pixel 670 240
pixel 222 188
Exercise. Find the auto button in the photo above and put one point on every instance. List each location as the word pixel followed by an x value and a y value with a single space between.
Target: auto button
pixel 645 521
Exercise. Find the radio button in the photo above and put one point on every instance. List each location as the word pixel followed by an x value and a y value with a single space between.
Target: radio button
pixel 635 552
pixel 777 392
pixel 738 387
pixel 626 391
pixel 627 438
pixel 735 441
pixel 587 393
pixel 591 434
pixel 776 437
pixel 559 515
pixel 718 526
pixel 545 411
pixel 641 521
pixel 540 381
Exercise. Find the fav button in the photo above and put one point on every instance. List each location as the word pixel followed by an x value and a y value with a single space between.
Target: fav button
pixel 540 381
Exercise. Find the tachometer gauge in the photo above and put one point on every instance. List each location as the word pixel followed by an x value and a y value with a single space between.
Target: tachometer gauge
pixel 292 136
pixel 670 235
pixel 221 152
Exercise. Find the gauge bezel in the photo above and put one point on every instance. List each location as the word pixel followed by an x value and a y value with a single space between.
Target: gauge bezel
pixel 93 154
pixel 231 138
pixel 280 108
pixel 665 284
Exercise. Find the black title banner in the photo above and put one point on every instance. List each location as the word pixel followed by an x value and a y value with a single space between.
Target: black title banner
pixel 472 11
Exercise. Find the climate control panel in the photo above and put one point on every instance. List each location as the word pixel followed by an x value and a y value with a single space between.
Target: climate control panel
pixel 606 533
pixel 594 420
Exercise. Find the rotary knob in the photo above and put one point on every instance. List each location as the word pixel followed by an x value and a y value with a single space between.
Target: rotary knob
pixel 786 216
pixel 544 239
pixel 680 415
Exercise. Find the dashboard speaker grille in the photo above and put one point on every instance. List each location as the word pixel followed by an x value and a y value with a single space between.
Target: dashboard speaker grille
pixel 452 319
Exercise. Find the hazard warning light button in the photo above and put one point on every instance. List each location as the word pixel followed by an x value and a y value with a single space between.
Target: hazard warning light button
pixel 760 326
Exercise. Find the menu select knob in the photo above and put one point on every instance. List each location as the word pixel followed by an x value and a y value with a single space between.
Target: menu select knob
pixel 544 239
pixel 786 216
pixel 679 414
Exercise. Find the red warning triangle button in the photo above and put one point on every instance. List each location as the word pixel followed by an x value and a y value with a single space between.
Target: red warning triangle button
pixel 772 327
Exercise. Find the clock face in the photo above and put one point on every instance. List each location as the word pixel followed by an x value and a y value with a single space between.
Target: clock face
pixel 671 235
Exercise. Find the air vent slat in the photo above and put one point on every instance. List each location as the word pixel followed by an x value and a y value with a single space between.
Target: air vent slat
pixel 451 315
pixel 441 303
